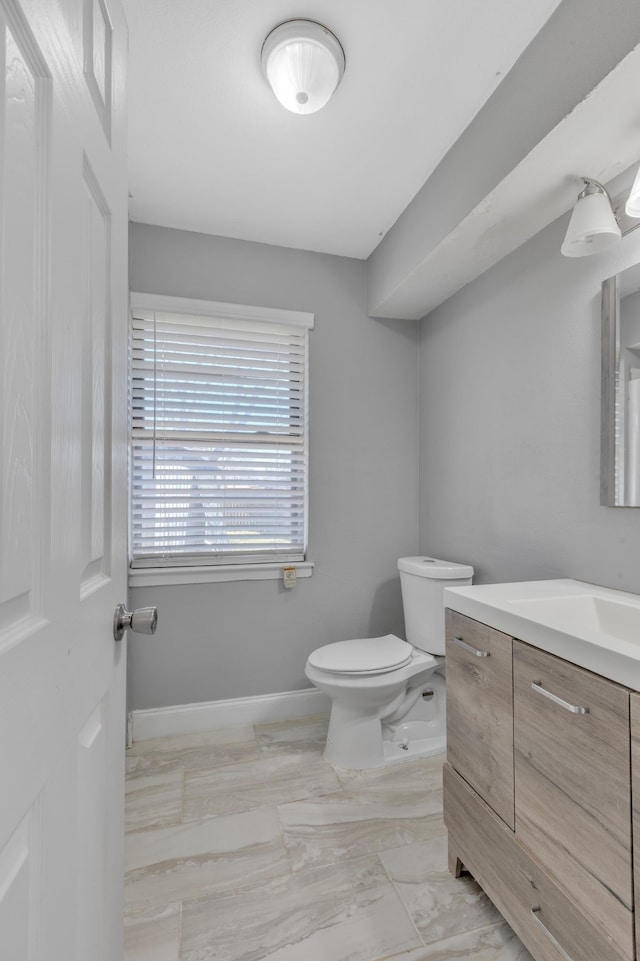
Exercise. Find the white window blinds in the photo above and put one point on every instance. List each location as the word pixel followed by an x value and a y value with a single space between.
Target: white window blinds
pixel 218 439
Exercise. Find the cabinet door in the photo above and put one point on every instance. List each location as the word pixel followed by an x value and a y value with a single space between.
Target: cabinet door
pixel 544 917
pixel 572 781
pixel 480 710
pixel 635 777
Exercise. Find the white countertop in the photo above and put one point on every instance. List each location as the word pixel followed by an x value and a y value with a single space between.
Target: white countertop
pixel 595 627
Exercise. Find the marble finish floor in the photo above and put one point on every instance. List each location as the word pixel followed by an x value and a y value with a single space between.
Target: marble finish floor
pixel 245 845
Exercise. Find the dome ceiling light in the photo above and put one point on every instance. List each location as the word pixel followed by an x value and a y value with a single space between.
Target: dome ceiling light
pixel 303 63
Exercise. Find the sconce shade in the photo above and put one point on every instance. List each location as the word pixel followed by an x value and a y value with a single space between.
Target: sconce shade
pixel 303 63
pixel 632 206
pixel 593 227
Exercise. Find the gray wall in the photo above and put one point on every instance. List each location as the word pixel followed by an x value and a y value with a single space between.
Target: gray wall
pixel 578 46
pixel 509 413
pixel 243 638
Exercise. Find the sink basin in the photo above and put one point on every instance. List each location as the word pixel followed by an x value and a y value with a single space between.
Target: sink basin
pixel 583 614
pixel 595 627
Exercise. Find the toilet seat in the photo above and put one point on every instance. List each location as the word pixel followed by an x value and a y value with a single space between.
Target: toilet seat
pixel 362 655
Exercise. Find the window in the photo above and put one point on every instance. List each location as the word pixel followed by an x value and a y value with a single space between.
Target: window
pixel 218 433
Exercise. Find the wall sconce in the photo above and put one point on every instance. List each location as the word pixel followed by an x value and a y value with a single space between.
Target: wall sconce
pixel 632 206
pixel 303 63
pixel 593 226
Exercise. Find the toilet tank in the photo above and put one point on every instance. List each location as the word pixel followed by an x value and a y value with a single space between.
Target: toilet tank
pixel 423 579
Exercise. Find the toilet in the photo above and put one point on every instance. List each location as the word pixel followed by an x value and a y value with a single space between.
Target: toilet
pixel 388 695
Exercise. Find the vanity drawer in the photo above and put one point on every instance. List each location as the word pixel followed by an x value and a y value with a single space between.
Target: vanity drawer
pixel 546 920
pixel 480 710
pixel 573 784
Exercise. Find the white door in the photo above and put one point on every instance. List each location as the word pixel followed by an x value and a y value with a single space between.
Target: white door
pixel 63 305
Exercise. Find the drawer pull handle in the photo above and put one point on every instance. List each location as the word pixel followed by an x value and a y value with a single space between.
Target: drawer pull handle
pixel 574 708
pixel 471 650
pixel 535 912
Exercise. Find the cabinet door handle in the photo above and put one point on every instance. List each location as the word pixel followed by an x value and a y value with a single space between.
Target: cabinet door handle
pixel 535 912
pixel 471 650
pixel 574 708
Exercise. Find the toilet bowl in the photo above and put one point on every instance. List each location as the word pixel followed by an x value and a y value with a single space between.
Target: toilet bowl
pixel 388 695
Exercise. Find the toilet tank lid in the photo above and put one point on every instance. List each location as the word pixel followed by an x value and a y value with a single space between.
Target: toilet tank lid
pixel 433 567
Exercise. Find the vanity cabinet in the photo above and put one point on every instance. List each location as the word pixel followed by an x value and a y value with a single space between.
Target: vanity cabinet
pixel 635 791
pixel 558 864
pixel 480 710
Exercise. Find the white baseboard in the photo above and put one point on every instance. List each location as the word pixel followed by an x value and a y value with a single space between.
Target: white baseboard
pixel 210 715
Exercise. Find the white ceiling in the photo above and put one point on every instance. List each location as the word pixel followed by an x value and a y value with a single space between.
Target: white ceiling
pixel 211 150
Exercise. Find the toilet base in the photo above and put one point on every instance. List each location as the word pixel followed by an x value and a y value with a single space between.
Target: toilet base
pixel 422 730
pixel 417 742
pixel 354 740
pixel 360 742
pixel 372 751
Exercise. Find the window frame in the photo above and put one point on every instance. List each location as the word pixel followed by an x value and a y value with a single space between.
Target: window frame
pixel 166 572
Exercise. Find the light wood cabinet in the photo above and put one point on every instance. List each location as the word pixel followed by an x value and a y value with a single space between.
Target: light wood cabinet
pixel 635 811
pixel 560 869
pixel 543 916
pixel 480 710
pixel 573 784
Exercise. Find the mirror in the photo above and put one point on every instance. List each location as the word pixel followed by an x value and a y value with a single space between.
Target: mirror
pixel 620 427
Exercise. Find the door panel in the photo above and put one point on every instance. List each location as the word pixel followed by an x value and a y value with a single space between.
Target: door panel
pixel 20 876
pixel 63 554
pixel 92 817
pixel 97 43
pixel 25 115
pixel 95 420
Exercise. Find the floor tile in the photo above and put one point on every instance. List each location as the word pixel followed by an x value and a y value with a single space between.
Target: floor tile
pixel 300 735
pixel 152 764
pixel 153 800
pixel 244 845
pixel 153 934
pixel 197 741
pixel 439 904
pixel 193 752
pixel 269 781
pixel 214 856
pixel 352 824
pixel 497 943
pixel 348 912
pixel 427 771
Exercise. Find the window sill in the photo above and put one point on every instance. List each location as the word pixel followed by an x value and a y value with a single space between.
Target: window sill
pixel 161 576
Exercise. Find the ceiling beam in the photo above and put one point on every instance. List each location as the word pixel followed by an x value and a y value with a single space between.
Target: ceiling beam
pixel 567 109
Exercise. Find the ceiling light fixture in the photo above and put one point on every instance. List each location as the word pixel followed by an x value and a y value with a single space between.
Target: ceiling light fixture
pixel 303 63
pixel 593 226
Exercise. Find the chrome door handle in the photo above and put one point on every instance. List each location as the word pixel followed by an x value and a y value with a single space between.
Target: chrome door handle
pixel 535 912
pixel 144 620
pixel 471 650
pixel 574 708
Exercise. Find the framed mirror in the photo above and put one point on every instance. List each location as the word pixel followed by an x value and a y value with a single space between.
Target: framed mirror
pixel 620 426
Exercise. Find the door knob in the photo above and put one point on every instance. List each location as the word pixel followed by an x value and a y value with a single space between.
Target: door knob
pixel 144 620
